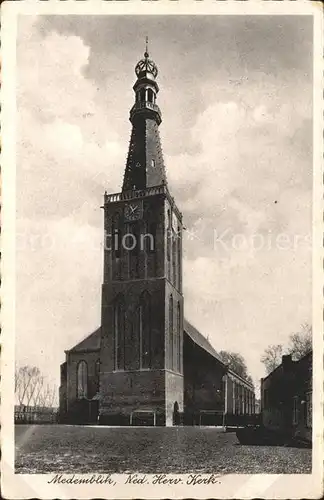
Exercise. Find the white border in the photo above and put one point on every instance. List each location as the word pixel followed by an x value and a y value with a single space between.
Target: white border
pixel 232 486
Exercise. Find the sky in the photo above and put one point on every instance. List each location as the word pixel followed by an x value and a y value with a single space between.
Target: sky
pixel 236 102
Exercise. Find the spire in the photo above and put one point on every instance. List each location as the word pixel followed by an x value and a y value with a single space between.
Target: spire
pixel 145 165
pixel 146 53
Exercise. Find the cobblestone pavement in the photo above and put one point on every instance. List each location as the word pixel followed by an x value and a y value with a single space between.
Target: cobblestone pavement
pixel 81 449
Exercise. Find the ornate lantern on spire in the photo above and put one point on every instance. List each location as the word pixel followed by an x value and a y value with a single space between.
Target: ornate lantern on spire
pixel 146 89
pixel 146 65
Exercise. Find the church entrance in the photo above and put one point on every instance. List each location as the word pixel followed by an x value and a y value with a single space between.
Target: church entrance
pixel 93 411
pixel 176 415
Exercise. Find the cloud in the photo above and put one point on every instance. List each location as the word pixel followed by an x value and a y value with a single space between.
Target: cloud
pixel 249 262
pixel 237 146
pixel 62 146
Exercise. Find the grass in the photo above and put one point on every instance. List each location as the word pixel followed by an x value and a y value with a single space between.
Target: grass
pixel 86 449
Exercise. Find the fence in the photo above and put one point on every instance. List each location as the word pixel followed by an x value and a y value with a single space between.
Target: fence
pixel 35 415
pixel 216 418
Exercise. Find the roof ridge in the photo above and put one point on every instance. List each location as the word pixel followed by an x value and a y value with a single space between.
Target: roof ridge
pixel 209 347
pixel 84 341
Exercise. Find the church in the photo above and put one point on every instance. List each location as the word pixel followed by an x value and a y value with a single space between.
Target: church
pixel 146 364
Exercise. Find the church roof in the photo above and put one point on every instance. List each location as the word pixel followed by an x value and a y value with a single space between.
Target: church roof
pixel 90 343
pixel 200 340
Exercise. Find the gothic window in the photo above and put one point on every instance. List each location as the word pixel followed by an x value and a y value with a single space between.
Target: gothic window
pixel 119 330
pixel 171 331
pixel 82 380
pixel 116 236
pixel 145 330
pixel 97 374
pixel 179 259
pixel 179 337
pixel 174 258
pixel 152 238
pixel 135 231
pixel 153 163
pixel 133 243
pixel 169 237
pixel 150 95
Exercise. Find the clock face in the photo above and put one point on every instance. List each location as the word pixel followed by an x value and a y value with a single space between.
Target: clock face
pixel 133 210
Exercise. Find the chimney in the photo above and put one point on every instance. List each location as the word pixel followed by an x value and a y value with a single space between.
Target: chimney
pixel 286 362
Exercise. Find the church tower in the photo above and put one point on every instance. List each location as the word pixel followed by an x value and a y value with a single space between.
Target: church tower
pixel 142 303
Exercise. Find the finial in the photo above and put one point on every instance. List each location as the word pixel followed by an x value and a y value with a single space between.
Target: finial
pixel 146 53
pixel 145 65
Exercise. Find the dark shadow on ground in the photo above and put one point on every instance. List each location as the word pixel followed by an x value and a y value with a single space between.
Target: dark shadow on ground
pixel 260 436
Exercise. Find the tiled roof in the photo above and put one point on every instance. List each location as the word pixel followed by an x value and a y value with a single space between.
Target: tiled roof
pixel 200 340
pixel 90 343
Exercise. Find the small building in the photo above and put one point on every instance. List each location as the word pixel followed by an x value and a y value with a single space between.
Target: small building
pixel 286 398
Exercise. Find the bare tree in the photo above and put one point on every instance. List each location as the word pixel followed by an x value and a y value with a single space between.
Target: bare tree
pixel 235 362
pixel 23 383
pixel 39 388
pixel 271 357
pixel 31 388
pixel 17 379
pixel 301 342
pixel 34 375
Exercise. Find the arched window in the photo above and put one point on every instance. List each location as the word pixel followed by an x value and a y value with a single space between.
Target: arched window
pixel 119 330
pixel 97 374
pixel 145 328
pixel 174 258
pixel 152 239
pixel 150 95
pixel 179 259
pixel 82 380
pixel 169 238
pixel 178 337
pixel 142 95
pixel 133 248
pixel 171 332
pixel 116 236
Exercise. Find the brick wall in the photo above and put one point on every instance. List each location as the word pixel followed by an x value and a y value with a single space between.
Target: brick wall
pixel 124 392
pixel 202 378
